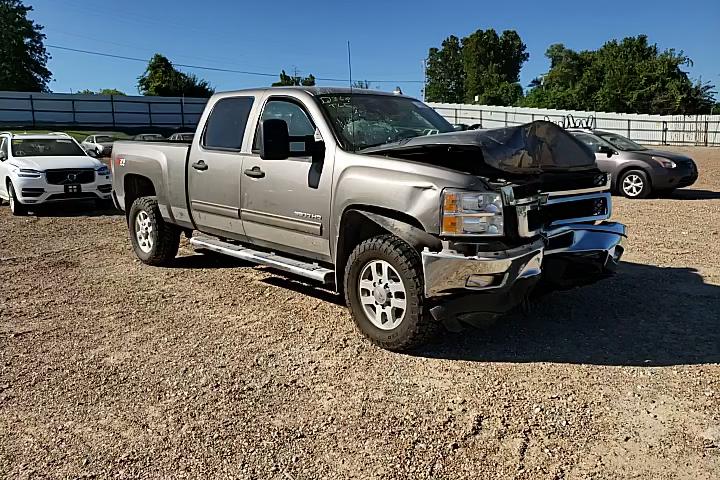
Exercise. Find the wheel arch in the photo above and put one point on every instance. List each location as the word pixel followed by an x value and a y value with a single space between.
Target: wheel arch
pixel 361 222
pixel 136 186
pixel 626 168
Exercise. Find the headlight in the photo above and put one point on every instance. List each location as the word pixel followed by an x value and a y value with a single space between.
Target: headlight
pixel 29 173
pixel 104 170
pixel 472 213
pixel 667 163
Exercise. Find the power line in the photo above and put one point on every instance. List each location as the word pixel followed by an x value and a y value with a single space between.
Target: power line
pixel 215 69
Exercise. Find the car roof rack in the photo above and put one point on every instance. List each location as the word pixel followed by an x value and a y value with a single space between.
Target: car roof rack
pixel 59 134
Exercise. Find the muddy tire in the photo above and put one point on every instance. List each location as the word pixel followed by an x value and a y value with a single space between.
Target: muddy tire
pixel 154 241
pixel 384 290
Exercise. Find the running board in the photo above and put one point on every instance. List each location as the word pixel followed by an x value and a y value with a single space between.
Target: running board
pixel 297 267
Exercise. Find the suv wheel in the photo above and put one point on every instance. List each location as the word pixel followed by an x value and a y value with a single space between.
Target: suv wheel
pixel 17 208
pixel 634 184
pixel 384 290
pixel 154 241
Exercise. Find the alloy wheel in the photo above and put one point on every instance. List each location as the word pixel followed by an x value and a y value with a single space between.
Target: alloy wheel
pixel 633 185
pixel 144 231
pixel 382 294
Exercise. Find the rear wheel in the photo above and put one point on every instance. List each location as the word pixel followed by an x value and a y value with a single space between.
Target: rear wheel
pixel 384 290
pixel 154 241
pixel 16 207
pixel 634 184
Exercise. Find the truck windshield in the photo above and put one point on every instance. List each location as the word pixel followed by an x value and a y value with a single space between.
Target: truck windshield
pixel 45 147
pixel 365 120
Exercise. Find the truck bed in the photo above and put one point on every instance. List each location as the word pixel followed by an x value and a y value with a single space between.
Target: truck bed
pixel 158 160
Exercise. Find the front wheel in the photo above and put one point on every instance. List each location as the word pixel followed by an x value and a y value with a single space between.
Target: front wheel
pixel 154 241
pixel 17 208
pixel 384 290
pixel 634 184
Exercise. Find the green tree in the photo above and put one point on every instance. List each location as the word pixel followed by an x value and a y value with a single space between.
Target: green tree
pixel 23 58
pixel 628 76
pixel 492 64
pixel 444 73
pixel 161 78
pixel 294 80
pixel 104 91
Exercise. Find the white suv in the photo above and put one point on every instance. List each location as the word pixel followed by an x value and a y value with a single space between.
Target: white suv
pixel 38 169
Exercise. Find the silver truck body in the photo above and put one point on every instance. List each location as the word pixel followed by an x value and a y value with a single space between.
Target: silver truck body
pixel 309 209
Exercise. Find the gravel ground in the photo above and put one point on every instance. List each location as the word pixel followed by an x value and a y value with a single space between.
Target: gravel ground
pixel 110 368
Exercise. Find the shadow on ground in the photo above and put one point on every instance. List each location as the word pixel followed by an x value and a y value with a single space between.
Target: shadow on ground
pixel 208 260
pixel 75 209
pixel 692 194
pixel 643 316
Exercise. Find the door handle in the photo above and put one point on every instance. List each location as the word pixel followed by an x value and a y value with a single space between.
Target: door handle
pixel 200 165
pixel 255 172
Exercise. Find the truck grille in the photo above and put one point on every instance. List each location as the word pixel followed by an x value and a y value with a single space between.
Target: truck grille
pixel 537 216
pixel 70 176
pixel 566 210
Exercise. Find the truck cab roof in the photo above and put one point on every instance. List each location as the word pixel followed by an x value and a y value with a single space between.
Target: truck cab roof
pixel 314 91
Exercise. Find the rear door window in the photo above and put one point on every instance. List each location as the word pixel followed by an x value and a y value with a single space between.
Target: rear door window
pixel 225 128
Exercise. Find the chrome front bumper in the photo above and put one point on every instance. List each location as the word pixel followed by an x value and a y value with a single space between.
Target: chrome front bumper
pixel 597 248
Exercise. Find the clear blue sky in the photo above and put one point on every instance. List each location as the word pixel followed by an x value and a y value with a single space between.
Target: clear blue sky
pixel 389 38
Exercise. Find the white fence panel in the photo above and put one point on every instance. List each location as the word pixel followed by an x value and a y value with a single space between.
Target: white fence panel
pixel 650 129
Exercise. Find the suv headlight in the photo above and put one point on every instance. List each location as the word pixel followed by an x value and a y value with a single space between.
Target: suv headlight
pixel 472 213
pixel 665 162
pixel 29 173
pixel 104 170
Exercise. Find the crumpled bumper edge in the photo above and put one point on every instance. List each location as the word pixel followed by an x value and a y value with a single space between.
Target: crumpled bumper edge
pixel 592 248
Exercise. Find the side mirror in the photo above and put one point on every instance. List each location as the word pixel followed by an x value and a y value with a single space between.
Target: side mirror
pixel 3 156
pixel 607 150
pixel 91 152
pixel 274 139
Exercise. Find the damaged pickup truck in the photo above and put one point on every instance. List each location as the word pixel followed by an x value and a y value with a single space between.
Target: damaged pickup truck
pixel 376 196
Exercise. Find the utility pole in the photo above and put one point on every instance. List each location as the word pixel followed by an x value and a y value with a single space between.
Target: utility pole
pixel 424 67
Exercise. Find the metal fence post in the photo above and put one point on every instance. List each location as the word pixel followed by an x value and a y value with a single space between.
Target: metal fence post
pixel 707 131
pixel 150 113
pixel 72 102
pixel 32 109
pixel 112 108
pixel 506 119
pixel 182 112
pixel 664 132
pixel 628 132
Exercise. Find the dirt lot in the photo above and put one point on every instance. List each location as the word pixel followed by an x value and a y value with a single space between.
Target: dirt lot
pixel 214 369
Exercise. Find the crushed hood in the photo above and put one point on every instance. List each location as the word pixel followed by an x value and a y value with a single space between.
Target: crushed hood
pixel 532 148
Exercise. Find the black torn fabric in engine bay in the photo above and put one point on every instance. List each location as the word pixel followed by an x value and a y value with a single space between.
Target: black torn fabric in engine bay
pixel 535 148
